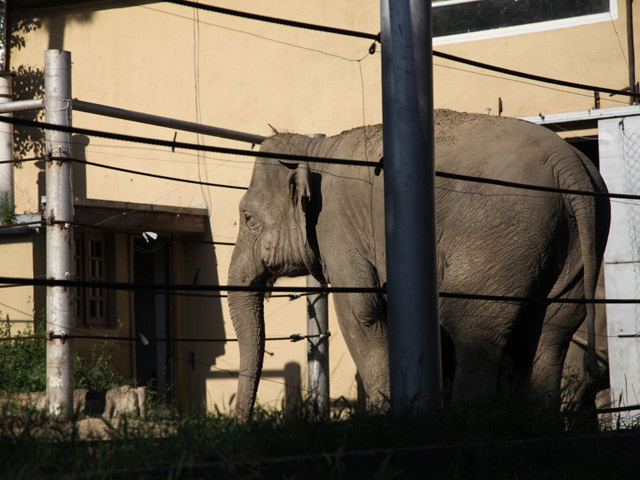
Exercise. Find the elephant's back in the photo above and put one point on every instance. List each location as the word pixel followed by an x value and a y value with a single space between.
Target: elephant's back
pixel 496 147
pixel 361 143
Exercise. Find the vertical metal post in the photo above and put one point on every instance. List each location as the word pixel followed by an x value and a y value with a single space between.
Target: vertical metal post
pixel 409 176
pixel 6 129
pixel 6 144
pixel 318 349
pixel 59 208
pixel 631 49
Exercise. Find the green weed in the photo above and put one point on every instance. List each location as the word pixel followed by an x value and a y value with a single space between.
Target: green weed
pixel 486 441
pixel 7 210
pixel 23 365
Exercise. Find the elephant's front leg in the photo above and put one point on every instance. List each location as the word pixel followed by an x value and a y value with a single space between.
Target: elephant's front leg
pixel 362 319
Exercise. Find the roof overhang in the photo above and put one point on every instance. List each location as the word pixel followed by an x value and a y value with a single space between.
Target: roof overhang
pixel 581 120
pixel 128 216
pixel 124 217
pixel 47 7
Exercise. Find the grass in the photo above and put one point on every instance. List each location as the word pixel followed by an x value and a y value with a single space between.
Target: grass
pixel 505 438
pixel 492 441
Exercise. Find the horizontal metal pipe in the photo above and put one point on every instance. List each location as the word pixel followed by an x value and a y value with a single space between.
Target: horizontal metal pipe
pixel 89 107
pixel 123 114
pixel 21 105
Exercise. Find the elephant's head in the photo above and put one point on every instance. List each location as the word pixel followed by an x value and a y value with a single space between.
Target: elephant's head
pixel 273 241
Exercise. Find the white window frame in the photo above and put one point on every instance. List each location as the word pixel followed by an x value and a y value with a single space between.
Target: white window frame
pixel 522 29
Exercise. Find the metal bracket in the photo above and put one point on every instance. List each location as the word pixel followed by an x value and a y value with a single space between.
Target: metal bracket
pixel 379 167
pixel 57 336
pixel 629 335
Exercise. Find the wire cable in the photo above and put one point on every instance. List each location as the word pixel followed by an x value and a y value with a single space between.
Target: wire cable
pixel 540 188
pixel 378 166
pixel 517 299
pixel 152 175
pixel 278 21
pixel 522 82
pixel 191 361
pixel 294 337
pixel 376 38
pixel 21 224
pixel 245 32
pixel 453 176
pixel 530 76
pixel 129 286
pixel 183 145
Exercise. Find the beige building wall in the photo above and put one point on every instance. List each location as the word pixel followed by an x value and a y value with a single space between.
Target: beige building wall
pixel 256 77
pixel 17 304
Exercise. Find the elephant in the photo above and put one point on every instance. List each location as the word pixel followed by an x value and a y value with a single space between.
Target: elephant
pixel 327 220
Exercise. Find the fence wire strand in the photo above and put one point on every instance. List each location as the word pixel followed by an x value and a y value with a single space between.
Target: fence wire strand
pixel 282 156
pixel 152 175
pixel 184 145
pixel 294 337
pixel 131 286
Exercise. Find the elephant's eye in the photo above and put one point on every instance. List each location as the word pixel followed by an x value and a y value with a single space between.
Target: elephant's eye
pixel 249 220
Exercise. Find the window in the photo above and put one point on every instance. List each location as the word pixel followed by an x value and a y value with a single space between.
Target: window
pixel 500 17
pixel 90 261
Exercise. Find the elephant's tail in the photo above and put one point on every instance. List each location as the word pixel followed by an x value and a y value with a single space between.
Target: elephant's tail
pixel 592 214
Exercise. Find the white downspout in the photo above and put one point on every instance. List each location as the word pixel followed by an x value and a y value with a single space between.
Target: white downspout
pixel 6 129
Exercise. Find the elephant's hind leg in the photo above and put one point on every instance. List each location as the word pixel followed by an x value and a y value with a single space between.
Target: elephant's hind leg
pixel 480 332
pixel 560 322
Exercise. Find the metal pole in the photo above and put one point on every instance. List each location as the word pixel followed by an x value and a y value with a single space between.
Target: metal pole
pixel 412 286
pixel 631 50
pixel 318 349
pixel 59 206
pixel 167 122
pixel 6 144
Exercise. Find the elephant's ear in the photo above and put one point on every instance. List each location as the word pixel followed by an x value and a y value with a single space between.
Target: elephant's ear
pixel 300 192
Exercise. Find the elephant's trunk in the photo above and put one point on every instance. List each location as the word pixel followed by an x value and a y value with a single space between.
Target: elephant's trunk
pixel 247 315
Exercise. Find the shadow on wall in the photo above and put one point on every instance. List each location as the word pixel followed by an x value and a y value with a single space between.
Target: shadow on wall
pixel 290 377
pixel 28 83
pixel 56 25
pixel 203 317
pixel 293 385
pixel 79 170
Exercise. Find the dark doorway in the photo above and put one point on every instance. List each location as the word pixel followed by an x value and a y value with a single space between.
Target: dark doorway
pixel 151 265
pixel 588 146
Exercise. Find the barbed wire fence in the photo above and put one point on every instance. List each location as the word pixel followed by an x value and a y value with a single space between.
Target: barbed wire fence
pixel 183 145
pixel 377 165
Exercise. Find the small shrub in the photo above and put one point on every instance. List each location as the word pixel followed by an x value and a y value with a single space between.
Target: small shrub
pixel 23 365
pixel 7 210
pixel 96 372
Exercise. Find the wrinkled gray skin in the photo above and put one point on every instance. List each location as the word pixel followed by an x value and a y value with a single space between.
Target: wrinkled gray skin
pixel 328 220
